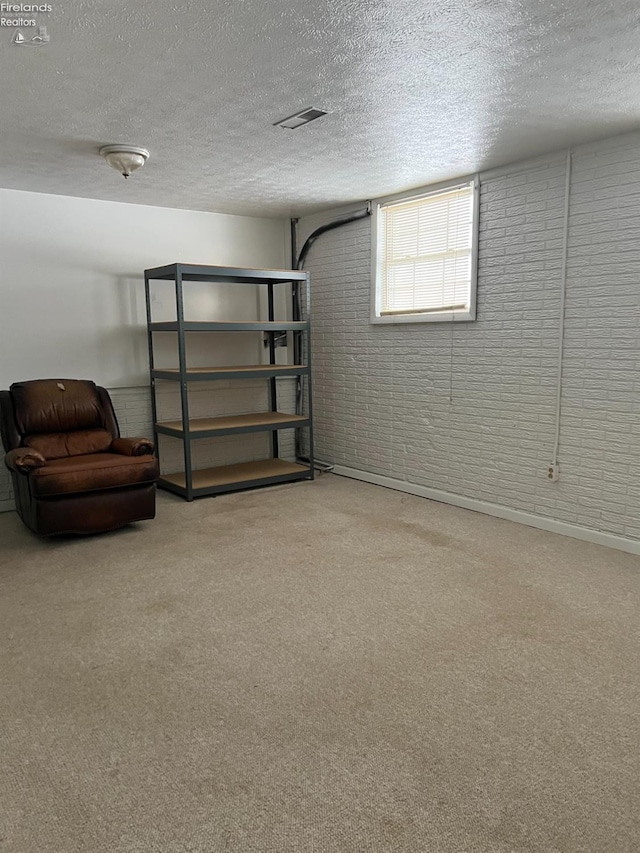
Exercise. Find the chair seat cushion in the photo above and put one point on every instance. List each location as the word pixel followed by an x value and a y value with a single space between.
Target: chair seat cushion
pixel 91 472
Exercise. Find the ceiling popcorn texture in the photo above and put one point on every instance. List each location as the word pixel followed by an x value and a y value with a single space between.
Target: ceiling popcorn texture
pixel 416 92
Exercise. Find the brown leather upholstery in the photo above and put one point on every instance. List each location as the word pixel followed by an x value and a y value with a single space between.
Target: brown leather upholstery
pixel 56 405
pixel 71 471
pixel 132 446
pixel 94 471
pixel 24 459
pixel 59 444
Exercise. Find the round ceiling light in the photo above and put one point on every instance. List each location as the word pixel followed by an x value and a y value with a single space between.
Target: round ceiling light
pixel 124 158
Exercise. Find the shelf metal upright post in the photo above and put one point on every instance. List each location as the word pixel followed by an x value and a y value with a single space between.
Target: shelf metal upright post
pixel 296 316
pixel 184 388
pixel 309 393
pixel 273 388
pixel 154 412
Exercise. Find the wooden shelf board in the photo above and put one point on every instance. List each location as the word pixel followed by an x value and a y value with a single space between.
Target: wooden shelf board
pixel 231 325
pixel 248 368
pixel 234 421
pixel 238 473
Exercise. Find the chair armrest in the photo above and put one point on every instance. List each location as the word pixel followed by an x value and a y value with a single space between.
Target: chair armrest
pixel 24 459
pixel 132 446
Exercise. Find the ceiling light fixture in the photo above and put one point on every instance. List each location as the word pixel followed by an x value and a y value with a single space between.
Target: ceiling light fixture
pixel 298 119
pixel 124 158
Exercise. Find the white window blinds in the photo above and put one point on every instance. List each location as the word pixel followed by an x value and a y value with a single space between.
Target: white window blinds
pixel 425 253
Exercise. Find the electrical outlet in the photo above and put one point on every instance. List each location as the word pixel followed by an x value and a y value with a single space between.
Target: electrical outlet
pixel 553 472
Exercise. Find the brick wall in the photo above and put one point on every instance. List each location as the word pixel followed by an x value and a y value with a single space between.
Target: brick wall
pixel 469 408
pixel 133 410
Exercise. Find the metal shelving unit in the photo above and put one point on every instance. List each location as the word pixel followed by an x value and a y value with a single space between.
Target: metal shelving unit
pixel 191 483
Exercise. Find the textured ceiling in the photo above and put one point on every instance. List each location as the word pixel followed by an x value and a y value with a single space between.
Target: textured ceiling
pixel 416 90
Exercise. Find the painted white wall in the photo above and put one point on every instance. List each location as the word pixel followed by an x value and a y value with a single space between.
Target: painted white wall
pixel 72 288
pixel 466 412
pixel 72 305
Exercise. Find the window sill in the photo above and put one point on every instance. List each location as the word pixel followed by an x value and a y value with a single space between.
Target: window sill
pixel 440 317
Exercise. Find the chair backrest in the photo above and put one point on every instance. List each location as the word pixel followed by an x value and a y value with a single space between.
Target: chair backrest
pixel 62 417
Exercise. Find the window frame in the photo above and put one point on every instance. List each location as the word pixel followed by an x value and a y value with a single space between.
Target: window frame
pixel 376 288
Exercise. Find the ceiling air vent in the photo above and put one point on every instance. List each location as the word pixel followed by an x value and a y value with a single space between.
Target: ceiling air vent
pixel 300 118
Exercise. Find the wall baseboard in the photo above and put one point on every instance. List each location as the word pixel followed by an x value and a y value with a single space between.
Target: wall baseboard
pixel 609 540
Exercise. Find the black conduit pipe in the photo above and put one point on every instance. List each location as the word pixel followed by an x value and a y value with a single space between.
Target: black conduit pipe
pixel 298 264
pixel 337 223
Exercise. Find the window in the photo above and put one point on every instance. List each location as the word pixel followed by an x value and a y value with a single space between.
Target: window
pixel 425 256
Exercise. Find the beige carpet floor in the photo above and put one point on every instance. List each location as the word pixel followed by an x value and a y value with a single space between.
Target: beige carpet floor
pixel 325 666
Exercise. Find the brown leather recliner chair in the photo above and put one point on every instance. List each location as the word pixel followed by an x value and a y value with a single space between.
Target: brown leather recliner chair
pixel 71 471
